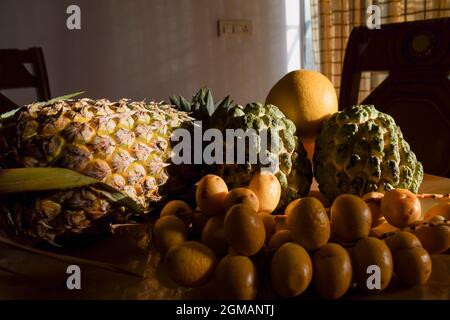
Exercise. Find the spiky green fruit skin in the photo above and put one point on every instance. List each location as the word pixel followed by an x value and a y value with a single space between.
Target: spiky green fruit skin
pixel 360 150
pixel 293 171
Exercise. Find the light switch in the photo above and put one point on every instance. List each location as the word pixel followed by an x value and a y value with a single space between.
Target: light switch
pixel 235 27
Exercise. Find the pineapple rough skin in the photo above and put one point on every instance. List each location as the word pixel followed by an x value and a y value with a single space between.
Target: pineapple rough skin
pixel 360 150
pixel 124 144
pixel 57 217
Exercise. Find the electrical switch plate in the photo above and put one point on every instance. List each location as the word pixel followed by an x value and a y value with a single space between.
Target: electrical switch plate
pixel 235 27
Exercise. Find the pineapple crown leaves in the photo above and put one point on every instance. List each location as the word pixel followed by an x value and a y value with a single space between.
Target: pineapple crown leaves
pixel 44 179
pixel 61 98
pixel 202 105
pixel 7 115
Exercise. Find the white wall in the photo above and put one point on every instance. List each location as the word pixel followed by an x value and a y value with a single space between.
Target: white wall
pixel 152 48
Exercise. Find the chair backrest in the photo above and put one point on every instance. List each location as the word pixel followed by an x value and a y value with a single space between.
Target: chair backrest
pixel 13 74
pixel 417 90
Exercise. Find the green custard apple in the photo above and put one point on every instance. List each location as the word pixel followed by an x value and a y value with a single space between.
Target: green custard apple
pixel 360 150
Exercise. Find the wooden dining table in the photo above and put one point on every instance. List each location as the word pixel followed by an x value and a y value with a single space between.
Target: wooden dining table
pixel 126 266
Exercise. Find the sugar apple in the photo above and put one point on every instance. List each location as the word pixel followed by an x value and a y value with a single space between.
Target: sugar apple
pixel 293 170
pixel 360 150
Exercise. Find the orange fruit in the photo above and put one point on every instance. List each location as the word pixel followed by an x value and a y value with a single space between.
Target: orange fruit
pixel 351 218
pixel 413 266
pixel 435 239
pixel 290 270
pixel 175 207
pixel 279 238
pixel 236 278
pixel 213 236
pixel 268 190
pixel 241 196
pixel 309 224
pixel 442 209
pixel 332 271
pixel 199 221
pixel 244 230
pixel 270 224
pixel 373 200
pixel 400 207
pixel 168 232
pixel 370 252
pixel 210 195
pixel 291 206
pixel 402 240
pixel 306 97
pixel 190 264
pixel 178 208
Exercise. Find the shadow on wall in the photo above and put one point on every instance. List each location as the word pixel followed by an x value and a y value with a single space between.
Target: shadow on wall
pixel 152 48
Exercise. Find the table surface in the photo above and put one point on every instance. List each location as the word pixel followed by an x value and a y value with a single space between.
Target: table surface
pixel 37 276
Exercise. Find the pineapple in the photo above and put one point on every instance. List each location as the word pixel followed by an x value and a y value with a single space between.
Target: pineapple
pixel 123 144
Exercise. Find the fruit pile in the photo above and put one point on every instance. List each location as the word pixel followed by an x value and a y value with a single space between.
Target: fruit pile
pixel 232 247
pixel 128 148
pixel 112 162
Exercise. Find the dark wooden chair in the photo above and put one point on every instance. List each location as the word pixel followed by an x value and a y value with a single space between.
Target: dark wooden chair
pixel 417 90
pixel 13 74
